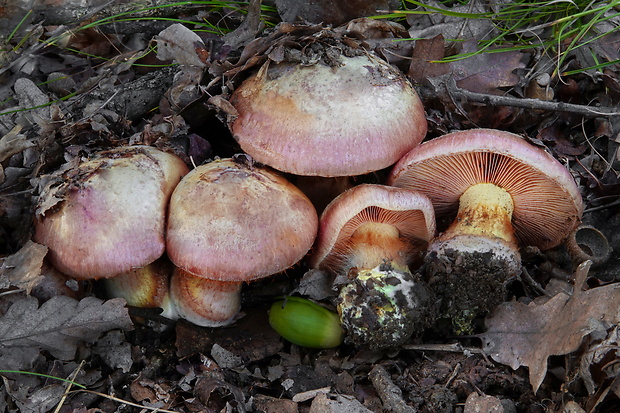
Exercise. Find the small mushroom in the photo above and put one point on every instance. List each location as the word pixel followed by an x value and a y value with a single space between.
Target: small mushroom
pixel 371 234
pixel 349 118
pixel 108 216
pixel 498 192
pixel 230 223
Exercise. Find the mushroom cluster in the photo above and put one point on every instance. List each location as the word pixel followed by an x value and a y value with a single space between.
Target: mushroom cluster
pixel 229 222
pixel 221 224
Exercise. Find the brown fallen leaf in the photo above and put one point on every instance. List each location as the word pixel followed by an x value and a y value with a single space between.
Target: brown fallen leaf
pixel 486 72
pixel 328 11
pixel 180 44
pixel 57 326
pixel 595 365
pixel 527 335
pixel 23 269
pixel 423 60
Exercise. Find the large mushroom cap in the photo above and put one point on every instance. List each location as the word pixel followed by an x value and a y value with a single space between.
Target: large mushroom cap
pixel 111 217
pixel 233 222
pixel 547 201
pixel 410 212
pixel 346 120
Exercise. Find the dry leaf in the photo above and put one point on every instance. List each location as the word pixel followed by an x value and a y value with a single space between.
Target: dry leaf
pixel 14 142
pixel 328 12
pixel 424 53
pixel 114 350
pixel 597 357
pixel 486 72
pixel 526 335
pixel 23 269
pixel 41 400
pixel 179 43
pixel 58 326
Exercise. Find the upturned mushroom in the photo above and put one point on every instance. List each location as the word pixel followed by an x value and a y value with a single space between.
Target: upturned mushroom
pixel 108 215
pixel 229 223
pixel 498 192
pixel 350 117
pixel 371 234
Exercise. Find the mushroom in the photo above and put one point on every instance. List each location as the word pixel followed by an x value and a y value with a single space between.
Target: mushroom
pixel 371 234
pixel 108 215
pixel 349 118
pixel 229 223
pixel 499 192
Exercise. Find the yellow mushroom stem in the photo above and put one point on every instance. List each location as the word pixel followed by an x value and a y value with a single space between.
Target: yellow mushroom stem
pixel 485 210
pixel 374 243
pixel 205 302
pixel 145 287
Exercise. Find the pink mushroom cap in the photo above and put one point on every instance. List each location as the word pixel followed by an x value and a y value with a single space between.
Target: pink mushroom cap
pixel 233 222
pixel 408 211
pixel 111 215
pixel 317 120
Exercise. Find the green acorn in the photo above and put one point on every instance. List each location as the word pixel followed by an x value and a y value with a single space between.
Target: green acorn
pixel 306 323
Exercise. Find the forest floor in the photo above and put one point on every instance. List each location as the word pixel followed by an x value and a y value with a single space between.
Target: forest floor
pixel 78 77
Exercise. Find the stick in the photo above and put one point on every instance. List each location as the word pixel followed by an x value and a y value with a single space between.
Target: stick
pixel 527 103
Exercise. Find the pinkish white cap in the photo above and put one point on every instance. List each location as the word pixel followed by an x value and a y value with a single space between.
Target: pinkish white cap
pixel 317 120
pixel 409 211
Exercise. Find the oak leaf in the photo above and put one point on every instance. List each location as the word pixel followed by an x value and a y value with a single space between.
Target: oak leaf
pixel 57 326
pixel 527 335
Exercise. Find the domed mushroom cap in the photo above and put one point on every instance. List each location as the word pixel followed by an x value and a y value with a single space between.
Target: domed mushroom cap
pixel 317 120
pixel 112 213
pixel 410 212
pixel 232 222
pixel 547 201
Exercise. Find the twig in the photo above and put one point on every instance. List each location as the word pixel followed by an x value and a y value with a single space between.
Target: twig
pixel 127 402
pixel 68 387
pixel 455 373
pixel 452 348
pixel 526 277
pixel 390 394
pixel 526 103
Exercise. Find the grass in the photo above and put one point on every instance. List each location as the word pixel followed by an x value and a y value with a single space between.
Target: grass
pixel 560 27
pixel 70 382
pixel 214 7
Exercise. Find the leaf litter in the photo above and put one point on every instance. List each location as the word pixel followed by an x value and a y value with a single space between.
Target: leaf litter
pixel 58 326
pixel 521 334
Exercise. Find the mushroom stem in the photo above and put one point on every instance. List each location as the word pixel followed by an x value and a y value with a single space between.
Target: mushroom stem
pixel 383 307
pixel 484 210
pixel 374 243
pixel 205 302
pixel 470 263
pixel 147 287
